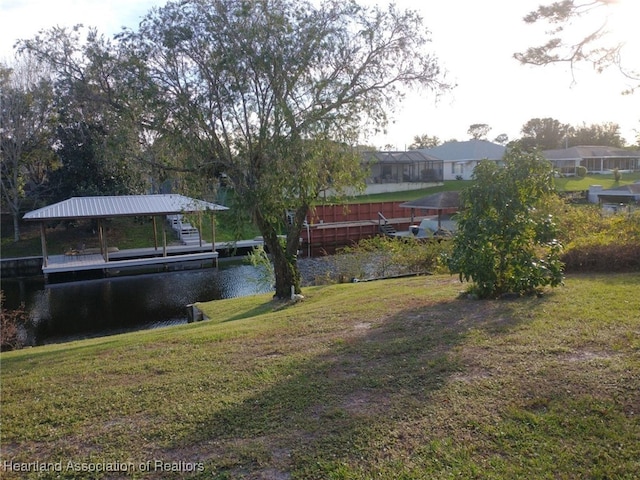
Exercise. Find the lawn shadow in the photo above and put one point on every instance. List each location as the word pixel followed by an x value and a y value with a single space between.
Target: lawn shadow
pixel 339 406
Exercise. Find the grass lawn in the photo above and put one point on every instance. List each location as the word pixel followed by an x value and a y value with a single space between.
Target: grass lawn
pixel 570 184
pixel 389 379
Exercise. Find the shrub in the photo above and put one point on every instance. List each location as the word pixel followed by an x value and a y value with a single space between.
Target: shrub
pixel 258 258
pixel 12 324
pixel 581 171
pixel 506 240
pixel 380 256
pixel 600 243
pixel 617 176
pixel 614 257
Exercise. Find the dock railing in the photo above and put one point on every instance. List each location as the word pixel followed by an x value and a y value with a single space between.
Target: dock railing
pixel 385 228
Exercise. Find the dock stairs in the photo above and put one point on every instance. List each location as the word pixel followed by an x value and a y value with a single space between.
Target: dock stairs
pixel 385 227
pixel 187 233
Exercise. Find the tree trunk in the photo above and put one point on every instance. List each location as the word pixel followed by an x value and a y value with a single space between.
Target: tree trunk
pixel 284 253
pixel 16 228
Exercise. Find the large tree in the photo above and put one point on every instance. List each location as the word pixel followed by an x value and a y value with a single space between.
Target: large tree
pixel 424 141
pixel 26 123
pixel 506 238
pixel 544 134
pixel 597 134
pixel 591 31
pixel 100 133
pixel 273 92
pixel 479 131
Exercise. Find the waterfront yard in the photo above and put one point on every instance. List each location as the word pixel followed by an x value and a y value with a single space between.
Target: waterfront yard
pixel 388 379
pixel 138 233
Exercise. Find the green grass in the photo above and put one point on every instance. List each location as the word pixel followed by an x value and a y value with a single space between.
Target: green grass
pixel 449 185
pixel 389 379
pixel 570 184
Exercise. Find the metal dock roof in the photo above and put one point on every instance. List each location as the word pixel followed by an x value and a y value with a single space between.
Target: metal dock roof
pixel 121 205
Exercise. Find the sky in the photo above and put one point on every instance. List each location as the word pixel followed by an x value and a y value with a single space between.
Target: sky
pixel 474 41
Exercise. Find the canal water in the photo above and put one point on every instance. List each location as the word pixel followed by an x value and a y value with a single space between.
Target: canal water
pixel 89 308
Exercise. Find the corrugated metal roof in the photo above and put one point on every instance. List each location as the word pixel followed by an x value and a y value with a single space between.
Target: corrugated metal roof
pixel 122 205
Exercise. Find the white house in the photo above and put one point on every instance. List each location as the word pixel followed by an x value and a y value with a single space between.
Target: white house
pixel 461 158
pixel 596 159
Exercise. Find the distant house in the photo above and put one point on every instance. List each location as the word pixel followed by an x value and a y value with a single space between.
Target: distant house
pixel 394 171
pixel 415 169
pixel 461 158
pixel 596 159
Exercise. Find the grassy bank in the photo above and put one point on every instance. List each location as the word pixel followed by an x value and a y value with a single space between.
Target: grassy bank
pixel 388 379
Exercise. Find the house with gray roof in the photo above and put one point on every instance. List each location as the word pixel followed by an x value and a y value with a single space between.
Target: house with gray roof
pixel 461 158
pixel 414 169
pixel 596 159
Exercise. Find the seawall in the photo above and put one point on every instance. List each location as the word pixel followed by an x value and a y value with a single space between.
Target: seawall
pixel 20 267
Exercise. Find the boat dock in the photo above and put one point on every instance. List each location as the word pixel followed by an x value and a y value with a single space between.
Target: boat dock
pixel 117 260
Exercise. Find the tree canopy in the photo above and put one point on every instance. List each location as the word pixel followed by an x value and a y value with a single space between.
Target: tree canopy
pixel 479 131
pixel 26 124
pixel 550 133
pixel 424 141
pixel 273 93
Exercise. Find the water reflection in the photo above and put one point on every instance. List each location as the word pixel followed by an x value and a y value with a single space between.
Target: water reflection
pixel 64 311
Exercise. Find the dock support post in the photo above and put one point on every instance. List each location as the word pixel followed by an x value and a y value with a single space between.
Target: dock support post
pixel 43 241
pixel 164 242
pixel 155 233
pixel 213 236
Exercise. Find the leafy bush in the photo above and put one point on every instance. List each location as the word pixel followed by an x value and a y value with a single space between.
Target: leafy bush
pixel 381 256
pixel 12 325
pixel 581 171
pixel 597 242
pixel 506 240
pixel 258 258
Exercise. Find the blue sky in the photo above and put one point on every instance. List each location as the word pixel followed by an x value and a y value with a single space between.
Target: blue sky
pixel 474 40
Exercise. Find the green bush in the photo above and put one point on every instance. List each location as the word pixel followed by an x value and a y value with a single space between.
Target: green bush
pixel 381 256
pixel 595 241
pixel 507 240
pixel 617 176
pixel 581 171
pixel 599 242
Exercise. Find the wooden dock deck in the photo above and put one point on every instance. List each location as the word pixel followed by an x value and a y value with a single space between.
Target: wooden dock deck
pixel 139 257
pixel 83 263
